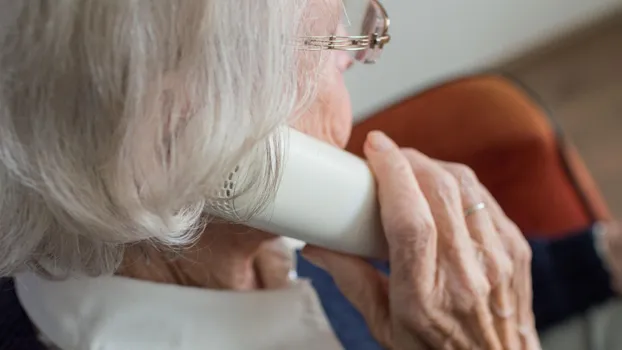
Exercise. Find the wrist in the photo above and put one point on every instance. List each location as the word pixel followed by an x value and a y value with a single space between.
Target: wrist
pixel 607 241
pixel 599 232
pixel 585 274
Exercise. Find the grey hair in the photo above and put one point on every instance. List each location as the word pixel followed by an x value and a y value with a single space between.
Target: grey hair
pixel 119 118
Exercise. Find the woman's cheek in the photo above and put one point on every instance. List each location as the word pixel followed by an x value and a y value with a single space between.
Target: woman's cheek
pixel 330 116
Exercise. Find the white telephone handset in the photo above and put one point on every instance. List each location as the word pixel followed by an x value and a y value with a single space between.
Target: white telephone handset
pixel 326 197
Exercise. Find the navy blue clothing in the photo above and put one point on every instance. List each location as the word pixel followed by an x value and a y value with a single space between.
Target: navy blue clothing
pixel 568 278
pixel 16 331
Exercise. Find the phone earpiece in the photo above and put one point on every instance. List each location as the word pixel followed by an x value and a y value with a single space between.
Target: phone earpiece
pixel 325 197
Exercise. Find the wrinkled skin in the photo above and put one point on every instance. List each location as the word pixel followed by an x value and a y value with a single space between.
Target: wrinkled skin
pixel 456 282
pixel 229 257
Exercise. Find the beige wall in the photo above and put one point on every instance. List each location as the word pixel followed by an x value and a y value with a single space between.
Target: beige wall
pixel 433 39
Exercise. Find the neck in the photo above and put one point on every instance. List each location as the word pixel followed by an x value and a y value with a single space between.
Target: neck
pixel 225 257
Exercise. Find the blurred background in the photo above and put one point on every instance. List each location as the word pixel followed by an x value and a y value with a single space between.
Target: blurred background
pixel 569 52
pixel 566 53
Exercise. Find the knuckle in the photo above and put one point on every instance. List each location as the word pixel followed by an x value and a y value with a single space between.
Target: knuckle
pixel 423 316
pixel 414 226
pixel 412 156
pixel 401 164
pixel 395 178
pixel 503 267
pixel 521 253
pixel 478 282
pixel 464 174
pixel 445 183
pixel 477 290
pixel 518 247
pixel 409 153
pixel 506 268
pixel 403 167
pixel 482 288
pixel 392 165
pixel 522 250
pixel 524 253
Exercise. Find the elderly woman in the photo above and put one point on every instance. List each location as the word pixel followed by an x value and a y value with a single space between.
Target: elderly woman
pixel 120 119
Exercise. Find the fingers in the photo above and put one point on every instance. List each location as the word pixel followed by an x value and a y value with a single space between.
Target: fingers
pixel 446 198
pixel 480 224
pixel 406 216
pixel 436 274
pixel 364 286
pixel 443 193
pixel 495 258
pixel 521 283
pixel 412 236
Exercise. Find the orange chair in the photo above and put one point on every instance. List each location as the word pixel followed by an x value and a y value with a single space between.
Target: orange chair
pixel 493 125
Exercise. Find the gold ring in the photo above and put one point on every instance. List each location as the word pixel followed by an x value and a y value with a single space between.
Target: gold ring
pixel 474 209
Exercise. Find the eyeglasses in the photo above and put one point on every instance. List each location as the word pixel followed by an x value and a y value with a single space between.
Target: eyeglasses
pixel 366 47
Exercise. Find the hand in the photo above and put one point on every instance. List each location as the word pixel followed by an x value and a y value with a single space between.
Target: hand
pixel 456 282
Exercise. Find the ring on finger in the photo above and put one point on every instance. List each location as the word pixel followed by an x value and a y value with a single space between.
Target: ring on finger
pixel 501 312
pixel 474 209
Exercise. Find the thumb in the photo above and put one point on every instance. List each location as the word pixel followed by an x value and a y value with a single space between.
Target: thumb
pixel 273 262
pixel 364 286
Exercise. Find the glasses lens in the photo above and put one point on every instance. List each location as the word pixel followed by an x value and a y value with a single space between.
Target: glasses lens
pixel 367 19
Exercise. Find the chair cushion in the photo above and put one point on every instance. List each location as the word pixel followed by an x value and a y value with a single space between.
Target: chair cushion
pixel 491 124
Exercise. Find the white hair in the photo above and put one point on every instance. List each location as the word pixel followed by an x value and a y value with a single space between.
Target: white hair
pixel 118 118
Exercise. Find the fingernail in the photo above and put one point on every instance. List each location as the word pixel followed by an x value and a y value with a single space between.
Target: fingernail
pixel 314 259
pixel 379 141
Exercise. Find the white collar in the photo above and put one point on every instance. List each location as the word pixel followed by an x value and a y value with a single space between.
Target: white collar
pixel 122 313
